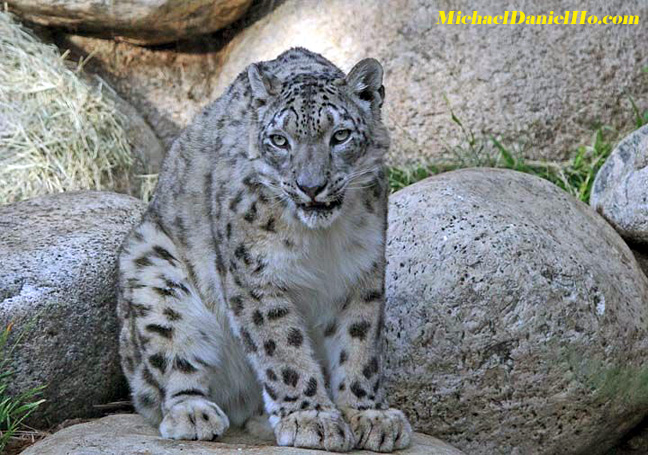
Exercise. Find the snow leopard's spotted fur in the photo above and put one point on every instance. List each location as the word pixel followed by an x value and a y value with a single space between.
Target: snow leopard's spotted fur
pixel 255 281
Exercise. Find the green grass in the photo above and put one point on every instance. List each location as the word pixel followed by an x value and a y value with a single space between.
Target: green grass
pixel 575 175
pixel 13 409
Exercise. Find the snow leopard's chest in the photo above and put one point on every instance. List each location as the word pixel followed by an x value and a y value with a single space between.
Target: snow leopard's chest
pixel 320 268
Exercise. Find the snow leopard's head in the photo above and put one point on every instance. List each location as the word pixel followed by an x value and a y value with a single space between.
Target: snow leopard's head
pixel 320 139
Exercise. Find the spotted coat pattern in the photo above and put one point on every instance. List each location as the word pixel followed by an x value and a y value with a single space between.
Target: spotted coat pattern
pixel 255 281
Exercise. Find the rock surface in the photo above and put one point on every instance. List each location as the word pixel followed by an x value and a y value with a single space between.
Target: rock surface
pixel 147 149
pixel 57 286
pixel 129 434
pixel 541 85
pixel 620 191
pixel 516 317
pixel 137 21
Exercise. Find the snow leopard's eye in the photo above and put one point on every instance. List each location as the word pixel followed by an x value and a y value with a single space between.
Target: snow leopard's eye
pixel 340 137
pixel 279 141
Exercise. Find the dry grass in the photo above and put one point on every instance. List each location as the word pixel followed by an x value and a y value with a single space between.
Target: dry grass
pixel 148 182
pixel 23 439
pixel 57 132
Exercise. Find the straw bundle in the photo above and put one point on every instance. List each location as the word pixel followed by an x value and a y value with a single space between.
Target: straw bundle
pixel 57 131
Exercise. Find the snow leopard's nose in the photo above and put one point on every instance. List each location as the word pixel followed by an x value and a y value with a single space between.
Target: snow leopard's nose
pixel 311 187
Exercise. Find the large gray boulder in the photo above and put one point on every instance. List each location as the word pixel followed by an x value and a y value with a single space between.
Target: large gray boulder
pixel 129 434
pixel 137 21
pixel 620 191
pixel 57 286
pixel 516 317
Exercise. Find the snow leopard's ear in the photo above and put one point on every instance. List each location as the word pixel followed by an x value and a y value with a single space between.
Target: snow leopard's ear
pixel 365 81
pixel 263 84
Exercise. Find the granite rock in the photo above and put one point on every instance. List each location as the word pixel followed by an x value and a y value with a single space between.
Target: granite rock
pixel 58 289
pixel 516 317
pixel 620 191
pixel 137 21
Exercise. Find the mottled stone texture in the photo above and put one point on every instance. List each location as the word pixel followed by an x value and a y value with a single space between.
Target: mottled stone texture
pixel 57 285
pixel 137 21
pixel 516 317
pixel 129 434
pixel 620 191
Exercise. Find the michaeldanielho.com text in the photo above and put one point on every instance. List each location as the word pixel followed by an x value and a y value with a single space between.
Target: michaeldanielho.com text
pixel 519 17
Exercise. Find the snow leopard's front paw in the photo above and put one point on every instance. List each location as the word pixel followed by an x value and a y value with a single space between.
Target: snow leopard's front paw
pixel 195 418
pixel 380 431
pixel 325 430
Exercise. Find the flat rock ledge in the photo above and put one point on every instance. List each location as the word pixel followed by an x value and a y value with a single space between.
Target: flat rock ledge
pixel 129 434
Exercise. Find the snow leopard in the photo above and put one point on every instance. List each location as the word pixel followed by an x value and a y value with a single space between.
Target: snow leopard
pixel 252 292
